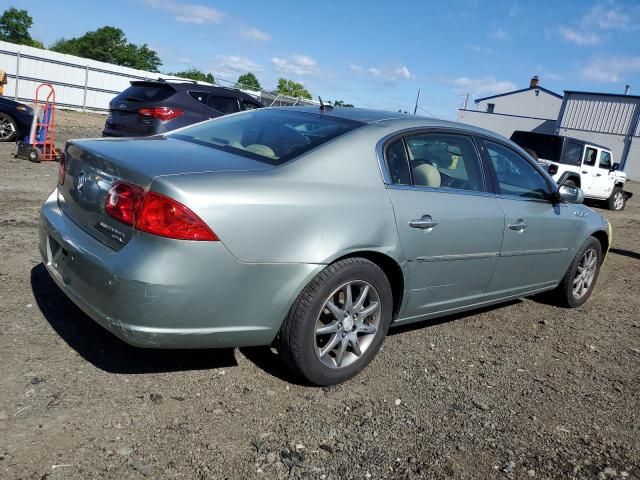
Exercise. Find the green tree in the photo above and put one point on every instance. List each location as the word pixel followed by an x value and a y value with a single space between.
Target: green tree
pixel 195 74
pixel 249 81
pixel 109 44
pixel 340 103
pixel 14 28
pixel 292 89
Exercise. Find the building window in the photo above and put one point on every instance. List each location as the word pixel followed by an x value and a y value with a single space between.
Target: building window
pixel 490 107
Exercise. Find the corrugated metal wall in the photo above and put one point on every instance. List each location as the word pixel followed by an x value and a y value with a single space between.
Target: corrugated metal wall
pixel 604 114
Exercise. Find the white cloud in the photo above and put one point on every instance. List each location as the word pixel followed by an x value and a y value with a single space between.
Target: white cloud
pixel 612 17
pixel 228 67
pixel 480 49
pixel 253 33
pixel 610 70
pixel 481 85
pixel 579 38
pixel 296 65
pixel 499 34
pixel 188 13
pixel 386 74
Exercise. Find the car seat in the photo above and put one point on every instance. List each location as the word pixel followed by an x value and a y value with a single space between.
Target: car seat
pixel 425 175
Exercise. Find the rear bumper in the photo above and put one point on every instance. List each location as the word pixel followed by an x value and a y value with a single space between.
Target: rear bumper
pixel 161 293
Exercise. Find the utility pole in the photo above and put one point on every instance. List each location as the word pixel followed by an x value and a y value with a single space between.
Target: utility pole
pixel 415 109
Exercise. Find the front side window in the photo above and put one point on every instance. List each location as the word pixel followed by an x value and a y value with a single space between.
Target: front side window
pixel 605 160
pixel 516 176
pixel 272 136
pixel 199 96
pixel 223 104
pixel 590 156
pixel 444 161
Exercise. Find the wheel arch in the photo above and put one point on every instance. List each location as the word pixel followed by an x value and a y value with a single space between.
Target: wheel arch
pixel 570 176
pixel 391 269
pixel 603 238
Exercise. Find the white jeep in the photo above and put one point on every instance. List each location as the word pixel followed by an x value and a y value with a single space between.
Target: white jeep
pixel 578 163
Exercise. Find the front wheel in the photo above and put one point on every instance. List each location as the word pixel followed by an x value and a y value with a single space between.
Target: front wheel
pixel 580 279
pixel 617 200
pixel 338 323
pixel 8 128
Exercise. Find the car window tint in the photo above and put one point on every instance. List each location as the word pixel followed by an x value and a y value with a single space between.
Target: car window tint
pixel 397 162
pixel 516 176
pixel 145 93
pixel 248 105
pixel 223 104
pixel 590 155
pixel 573 154
pixel 605 160
pixel 199 96
pixel 272 136
pixel 444 161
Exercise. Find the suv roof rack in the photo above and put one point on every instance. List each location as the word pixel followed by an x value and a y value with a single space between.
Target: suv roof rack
pixel 176 80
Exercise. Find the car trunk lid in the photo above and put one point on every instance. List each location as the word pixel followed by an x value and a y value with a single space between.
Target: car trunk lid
pixel 92 167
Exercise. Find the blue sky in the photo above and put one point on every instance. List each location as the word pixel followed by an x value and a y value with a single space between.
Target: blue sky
pixel 376 54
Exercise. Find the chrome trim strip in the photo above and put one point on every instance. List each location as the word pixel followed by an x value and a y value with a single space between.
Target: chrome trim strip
pixel 453 191
pixel 543 251
pixel 462 256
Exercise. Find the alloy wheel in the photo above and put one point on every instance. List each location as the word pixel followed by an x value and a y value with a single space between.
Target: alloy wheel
pixel 618 200
pixel 7 129
pixel 347 324
pixel 585 273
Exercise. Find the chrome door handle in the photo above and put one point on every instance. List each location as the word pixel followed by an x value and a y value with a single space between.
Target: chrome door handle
pixel 520 226
pixel 423 223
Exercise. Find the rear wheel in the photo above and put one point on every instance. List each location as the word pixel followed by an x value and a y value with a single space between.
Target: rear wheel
pixel 8 128
pixel 569 183
pixel 578 282
pixel 617 199
pixel 338 323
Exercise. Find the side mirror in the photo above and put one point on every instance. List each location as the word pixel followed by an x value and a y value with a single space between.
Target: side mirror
pixel 615 167
pixel 570 194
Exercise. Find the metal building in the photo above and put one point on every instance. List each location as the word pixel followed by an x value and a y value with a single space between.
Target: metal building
pixel 534 109
pixel 607 119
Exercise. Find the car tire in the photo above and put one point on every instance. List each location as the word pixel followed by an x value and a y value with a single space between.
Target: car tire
pixel 574 291
pixel 617 200
pixel 322 316
pixel 8 128
pixel 569 183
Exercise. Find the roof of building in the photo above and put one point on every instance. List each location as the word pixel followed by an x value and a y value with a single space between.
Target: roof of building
pixel 601 94
pixel 519 91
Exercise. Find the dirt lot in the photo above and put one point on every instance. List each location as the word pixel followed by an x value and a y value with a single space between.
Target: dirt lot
pixel 526 390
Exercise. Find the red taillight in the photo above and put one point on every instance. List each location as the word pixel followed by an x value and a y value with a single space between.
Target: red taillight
pixel 161 113
pixel 61 170
pixel 165 217
pixel 123 202
pixel 154 213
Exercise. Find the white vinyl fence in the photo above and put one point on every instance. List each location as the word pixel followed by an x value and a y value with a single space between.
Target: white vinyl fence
pixel 81 83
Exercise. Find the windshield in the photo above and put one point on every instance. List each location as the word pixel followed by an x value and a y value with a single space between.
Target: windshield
pixel 272 136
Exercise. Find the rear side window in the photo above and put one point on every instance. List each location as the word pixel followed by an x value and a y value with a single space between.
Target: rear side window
pixel 444 161
pixel 590 156
pixel 223 104
pixel 397 162
pixel 516 176
pixel 272 136
pixel 573 154
pixel 146 93
pixel 248 105
pixel 605 160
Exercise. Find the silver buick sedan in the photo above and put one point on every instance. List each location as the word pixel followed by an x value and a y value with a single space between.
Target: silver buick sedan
pixel 310 229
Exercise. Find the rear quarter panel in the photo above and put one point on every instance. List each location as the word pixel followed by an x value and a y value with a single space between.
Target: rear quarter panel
pixel 326 204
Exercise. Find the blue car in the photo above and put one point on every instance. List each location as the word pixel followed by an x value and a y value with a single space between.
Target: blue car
pixel 15 120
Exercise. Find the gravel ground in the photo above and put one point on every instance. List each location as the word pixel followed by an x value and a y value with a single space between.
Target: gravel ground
pixel 524 390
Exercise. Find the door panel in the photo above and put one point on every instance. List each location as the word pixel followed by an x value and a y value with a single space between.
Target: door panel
pixel 538 253
pixel 538 236
pixel 450 264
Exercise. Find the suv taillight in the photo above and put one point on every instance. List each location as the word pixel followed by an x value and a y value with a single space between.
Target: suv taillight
pixel 161 113
pixel 156 214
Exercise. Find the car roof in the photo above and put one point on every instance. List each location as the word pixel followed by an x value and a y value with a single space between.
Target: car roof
pixel 184 86
pixel 395 119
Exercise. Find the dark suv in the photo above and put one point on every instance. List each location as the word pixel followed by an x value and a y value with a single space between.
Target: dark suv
pixel 149 107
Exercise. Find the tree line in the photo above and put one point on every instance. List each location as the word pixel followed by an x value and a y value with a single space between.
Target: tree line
pixel 109 44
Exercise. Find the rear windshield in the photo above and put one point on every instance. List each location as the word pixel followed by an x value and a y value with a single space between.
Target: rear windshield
pixel 272 136
pixel 146 93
